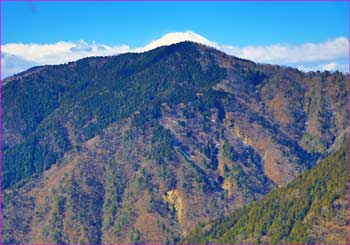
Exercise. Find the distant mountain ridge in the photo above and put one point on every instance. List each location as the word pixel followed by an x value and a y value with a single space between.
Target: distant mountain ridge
pixel 144 147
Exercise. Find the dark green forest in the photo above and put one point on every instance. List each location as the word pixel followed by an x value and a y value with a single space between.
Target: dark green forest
pixel 290 214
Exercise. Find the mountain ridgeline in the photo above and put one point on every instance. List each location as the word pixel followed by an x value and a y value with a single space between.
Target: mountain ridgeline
pixel 141 148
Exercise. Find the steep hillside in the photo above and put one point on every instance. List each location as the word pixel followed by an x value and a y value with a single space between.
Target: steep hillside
pixel 143 147
pixel 311 209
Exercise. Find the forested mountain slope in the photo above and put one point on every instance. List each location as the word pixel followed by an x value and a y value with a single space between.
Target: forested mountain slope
pixel 311 209
pixel 143 147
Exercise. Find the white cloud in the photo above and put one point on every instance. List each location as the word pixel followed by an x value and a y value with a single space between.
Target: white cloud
pixel 61 52
pixel 11 64
pixel 330 66
pixel 337 48
pixel 340 65
pixel 328 55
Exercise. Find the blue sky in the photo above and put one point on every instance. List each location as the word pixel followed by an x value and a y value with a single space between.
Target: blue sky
pixel 237 24
pixel 138 23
